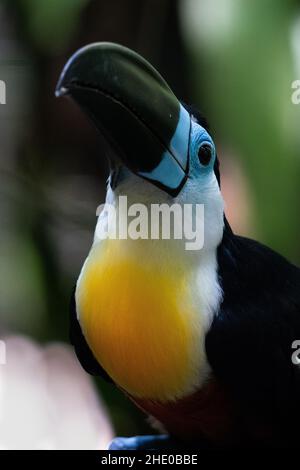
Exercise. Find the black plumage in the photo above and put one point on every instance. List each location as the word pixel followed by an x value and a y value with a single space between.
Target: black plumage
pixel 82 350
pixel 249 344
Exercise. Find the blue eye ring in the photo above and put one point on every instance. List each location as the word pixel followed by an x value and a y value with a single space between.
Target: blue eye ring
pixel 205 154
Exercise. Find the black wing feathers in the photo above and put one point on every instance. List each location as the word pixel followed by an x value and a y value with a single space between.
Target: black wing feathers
pixel 249 345
pixel 83 352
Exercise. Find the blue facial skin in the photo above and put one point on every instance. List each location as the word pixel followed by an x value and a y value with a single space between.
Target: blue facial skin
pixel 179 144
pixel 200 137
pixel 166 167
pixel 187 140
pixel 171 171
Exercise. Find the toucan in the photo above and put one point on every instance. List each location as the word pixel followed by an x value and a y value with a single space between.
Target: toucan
pixel 200 340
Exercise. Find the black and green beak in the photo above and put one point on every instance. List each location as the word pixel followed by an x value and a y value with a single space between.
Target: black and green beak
pixel 134 109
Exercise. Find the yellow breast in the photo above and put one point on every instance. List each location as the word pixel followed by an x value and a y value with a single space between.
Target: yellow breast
pixel 140 322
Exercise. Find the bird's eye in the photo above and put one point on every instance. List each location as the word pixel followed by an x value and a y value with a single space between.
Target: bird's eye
pixel 205 154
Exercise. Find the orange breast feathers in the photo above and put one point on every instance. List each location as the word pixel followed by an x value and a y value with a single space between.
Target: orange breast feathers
pixel 139 320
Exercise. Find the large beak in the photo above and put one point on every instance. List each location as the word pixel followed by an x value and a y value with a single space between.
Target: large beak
pixel 135 110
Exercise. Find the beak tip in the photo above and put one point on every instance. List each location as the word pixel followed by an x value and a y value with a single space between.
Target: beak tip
pixel 60 91
pixel 63 85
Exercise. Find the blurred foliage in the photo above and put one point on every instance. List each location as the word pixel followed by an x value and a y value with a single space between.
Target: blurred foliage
pixel 241 68
pixel 233 59
pixel 51 24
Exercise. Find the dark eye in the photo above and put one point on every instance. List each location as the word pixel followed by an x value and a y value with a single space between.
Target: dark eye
pixel 205 154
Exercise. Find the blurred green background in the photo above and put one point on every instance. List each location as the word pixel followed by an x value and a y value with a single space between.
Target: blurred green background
pixel 235 60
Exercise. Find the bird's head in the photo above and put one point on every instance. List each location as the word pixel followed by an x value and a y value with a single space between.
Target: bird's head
pixel 160 150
